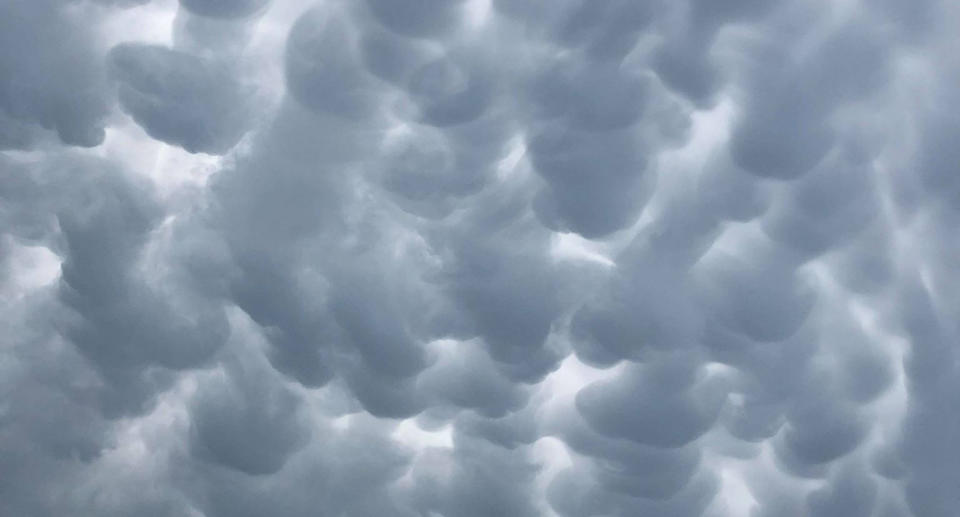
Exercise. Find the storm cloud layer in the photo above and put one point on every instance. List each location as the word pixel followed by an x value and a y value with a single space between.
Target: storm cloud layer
pixel 474 258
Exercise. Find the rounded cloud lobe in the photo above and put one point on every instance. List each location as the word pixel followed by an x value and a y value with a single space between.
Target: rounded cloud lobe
pixel 461 259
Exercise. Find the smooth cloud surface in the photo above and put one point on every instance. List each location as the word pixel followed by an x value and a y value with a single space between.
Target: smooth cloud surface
pixel 471 258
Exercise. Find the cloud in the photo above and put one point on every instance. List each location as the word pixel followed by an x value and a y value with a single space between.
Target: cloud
pixel 461 258
pixel 181 99
pixel 242 421
pixel 322 67
pixel 224 8
pixel 55 83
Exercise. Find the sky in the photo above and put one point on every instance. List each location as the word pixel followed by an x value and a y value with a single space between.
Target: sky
pixel 474 258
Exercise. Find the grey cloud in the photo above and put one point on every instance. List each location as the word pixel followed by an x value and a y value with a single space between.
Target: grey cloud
pixel 391 56
pixel 256 201
pixel 607 29
pixel 931 377
pixel 98 218
pixel 830 205
pixel 866 264
pixel 851 493
pixel 514 429
pixel 592 149
pixel 590 204
pixel 123 3
pixel 430 18
pixel 17 134
pixel 383 397
pixel 819 431
pixel 476 478
pixel 868 370
pixel 755 419
pixel 449 92
pixel 935 152
pixel 616 100
pixel 684 61
pixel 479 258
pixel 731 192
pixel 224 8
pixel 181 99
pixel 372 322
pixel 216 39
pixel 346 472
pixel 323 70
pixel 244 421
pixel 765 300
pixel 571 495
pixel 587 148
pixel 626 466
pixel 648 305
pixel 57 83
pixel 660 406
pixel 420 168
pixel 123 324
pixel 467 378
pixel 785 129
pixel 82 348
pixel 507 298
pixel 457 130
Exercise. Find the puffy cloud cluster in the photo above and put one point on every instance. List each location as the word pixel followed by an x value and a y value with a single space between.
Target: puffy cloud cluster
pixel 53 74
pixel 469 258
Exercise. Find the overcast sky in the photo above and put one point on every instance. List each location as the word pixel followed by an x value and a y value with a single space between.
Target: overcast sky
pixel 480 258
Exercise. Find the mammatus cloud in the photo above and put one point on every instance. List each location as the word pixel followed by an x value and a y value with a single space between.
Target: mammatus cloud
pixel 470 258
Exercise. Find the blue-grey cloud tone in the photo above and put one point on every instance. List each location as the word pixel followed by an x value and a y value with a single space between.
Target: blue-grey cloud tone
pixel 471 258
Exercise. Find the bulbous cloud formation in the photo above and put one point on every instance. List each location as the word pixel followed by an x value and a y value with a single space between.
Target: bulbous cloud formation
pixel 466 258
pixel 179 98
pixel 53 74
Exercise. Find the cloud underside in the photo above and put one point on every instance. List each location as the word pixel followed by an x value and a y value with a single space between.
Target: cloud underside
pixel 479 258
